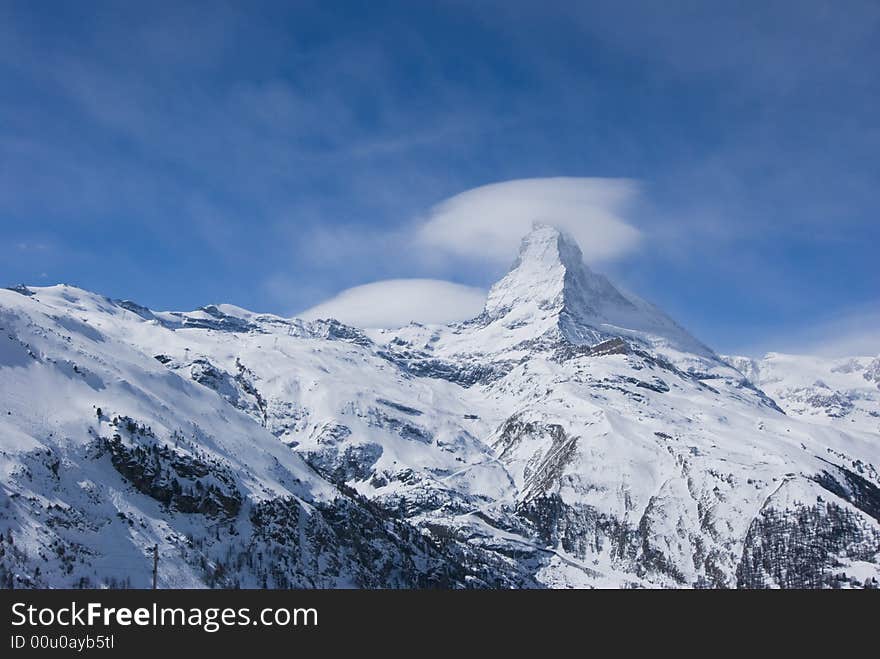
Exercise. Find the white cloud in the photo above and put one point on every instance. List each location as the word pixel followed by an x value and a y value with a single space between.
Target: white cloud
pixel 483 226
pixel 487 223
pixel 396 302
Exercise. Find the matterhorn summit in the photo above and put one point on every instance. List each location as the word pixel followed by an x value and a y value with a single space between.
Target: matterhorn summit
pixel 550 288
pixel 571 435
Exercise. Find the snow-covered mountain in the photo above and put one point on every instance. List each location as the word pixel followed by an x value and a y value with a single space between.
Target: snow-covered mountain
pixel 843 393
pixel 570 435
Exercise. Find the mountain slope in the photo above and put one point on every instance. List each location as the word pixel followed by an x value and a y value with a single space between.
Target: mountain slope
pixel 843 393
pixel 570 435
pixel 107 452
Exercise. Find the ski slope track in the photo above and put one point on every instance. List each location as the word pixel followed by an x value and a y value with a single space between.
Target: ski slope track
pixel 571 435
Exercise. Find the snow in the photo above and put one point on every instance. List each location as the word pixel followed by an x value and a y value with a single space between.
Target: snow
pixel 843 393
pixel 658 454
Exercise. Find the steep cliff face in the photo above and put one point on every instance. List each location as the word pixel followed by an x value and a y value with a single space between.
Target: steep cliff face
pixel 570 435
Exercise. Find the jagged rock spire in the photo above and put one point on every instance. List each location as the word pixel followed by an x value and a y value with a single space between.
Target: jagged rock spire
pixel 550 275
pixel 550 286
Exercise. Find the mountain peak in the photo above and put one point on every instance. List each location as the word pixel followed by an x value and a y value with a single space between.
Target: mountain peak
pixel 537 277
pixel 548 245
pixel 550 276
pixel 550 286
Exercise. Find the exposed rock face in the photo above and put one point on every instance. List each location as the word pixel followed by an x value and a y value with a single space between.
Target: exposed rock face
pixel 184 483
pixel 343 543
pixel 570 435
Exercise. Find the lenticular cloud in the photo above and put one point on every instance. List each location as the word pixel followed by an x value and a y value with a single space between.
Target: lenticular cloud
pixel 488 222
pixel 397 302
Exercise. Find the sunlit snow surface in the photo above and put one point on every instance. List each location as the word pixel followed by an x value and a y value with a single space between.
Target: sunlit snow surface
pixel 571 435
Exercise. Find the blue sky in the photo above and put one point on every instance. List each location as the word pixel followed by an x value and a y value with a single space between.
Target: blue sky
pixel 271 155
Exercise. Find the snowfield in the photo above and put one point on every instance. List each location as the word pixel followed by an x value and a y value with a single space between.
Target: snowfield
pixel 571 435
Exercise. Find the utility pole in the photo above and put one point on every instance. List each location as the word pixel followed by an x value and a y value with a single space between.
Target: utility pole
pixel 155 564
